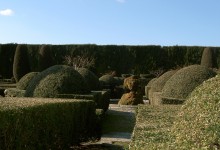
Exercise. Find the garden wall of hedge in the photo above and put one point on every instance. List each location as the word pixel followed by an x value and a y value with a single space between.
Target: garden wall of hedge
pixel 32 123
pixel 120 58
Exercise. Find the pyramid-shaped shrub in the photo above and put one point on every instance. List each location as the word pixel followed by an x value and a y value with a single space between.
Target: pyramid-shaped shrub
pixel 184 81
pixel 197 125
pixel 58 79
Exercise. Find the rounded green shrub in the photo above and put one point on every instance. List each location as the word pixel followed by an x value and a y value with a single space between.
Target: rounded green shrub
pixel 24 81
pixel 21 63
pixel 197 126
pixel 107 80
pixel 45 57
pixel 184 81
pixel 159 83
pixel 209 58
pixel 91 79
pixel 58 79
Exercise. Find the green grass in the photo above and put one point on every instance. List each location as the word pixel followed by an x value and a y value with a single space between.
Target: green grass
pixel 153 126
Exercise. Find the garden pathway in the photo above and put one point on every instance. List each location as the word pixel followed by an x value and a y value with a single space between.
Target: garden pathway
pixel 118 124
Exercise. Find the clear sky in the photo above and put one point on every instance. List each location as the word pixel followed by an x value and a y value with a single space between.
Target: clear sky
pixel 119 22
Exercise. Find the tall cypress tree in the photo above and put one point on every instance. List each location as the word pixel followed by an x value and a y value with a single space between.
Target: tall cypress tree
pixel 45 57
pixel 209 58
pixel 21 64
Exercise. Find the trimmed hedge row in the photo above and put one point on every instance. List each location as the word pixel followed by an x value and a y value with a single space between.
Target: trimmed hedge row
pixel 127 59
pixel 101 98
pixel 28 123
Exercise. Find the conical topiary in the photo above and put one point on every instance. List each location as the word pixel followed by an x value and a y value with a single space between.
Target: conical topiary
pixel 45 58
pixel 21 63
pixel 209 58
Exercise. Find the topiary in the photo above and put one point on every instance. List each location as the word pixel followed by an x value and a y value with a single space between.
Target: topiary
pixel 209 58
pixel 159 83
pixel 197 125
pixel 91 79
pixel 45 58
pixel 58 79
pixel 184 81
pixel 107 81
pixel 20 64
pixel 24 81
pixel 148 86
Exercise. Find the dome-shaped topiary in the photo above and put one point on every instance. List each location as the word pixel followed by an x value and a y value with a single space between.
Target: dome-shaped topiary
pixel 209 58
pixel 184 81
pixel 197 125
pixel 91 79
pixel 45 58
pixel 58 79
pixel 107 80
pixel 21 63
pixel 24 81
pixel 159 83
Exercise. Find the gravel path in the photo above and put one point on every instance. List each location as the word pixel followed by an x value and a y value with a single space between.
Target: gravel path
pixel 120 128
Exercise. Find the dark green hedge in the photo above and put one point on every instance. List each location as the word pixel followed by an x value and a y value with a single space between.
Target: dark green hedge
pixel 119 58
pixel 45 123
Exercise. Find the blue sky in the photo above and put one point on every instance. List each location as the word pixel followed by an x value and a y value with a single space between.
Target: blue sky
pixel 119 22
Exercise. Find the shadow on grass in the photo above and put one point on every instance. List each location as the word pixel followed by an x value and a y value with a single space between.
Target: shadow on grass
pixel 98 147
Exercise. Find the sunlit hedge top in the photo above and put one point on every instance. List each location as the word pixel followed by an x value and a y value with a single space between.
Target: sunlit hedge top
pixel 198 124
pixel 184 81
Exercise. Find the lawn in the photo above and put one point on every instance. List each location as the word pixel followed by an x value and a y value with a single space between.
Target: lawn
pixel 152 126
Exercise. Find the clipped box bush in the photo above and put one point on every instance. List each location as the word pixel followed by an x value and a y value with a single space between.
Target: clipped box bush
pixel 101 98
pixel 184 81
pixel 58 79
pixel 14 92
pixel 33 123
pixel 197 125
pixel 91 79
pixel 148 86
pixel 158 84
pixel 107 81
pixel 24 81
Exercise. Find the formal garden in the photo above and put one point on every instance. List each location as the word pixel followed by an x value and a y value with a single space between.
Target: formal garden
pixel 109 97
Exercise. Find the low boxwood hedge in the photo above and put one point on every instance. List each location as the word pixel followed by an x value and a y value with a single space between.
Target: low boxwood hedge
pixel 101 98
pixel 33 123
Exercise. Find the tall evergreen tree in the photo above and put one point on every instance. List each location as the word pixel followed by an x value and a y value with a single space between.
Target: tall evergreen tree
pixel 45 57
pixel 21 63
pixel 209 58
